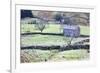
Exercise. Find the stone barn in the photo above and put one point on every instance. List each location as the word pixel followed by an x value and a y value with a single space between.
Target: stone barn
pixel 71 30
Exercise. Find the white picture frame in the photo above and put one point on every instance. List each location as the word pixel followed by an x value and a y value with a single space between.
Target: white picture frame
pixel 16 66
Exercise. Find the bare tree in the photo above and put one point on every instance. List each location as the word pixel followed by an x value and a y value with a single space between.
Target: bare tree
pixel 41 25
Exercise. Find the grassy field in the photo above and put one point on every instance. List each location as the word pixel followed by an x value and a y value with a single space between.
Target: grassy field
pixel 84 30
pixel 52 28
pixel 39 39
pixel 52 55
pixel 44 40
pixel 49 28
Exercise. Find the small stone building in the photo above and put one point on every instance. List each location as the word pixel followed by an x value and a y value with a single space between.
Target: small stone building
pixel 71 30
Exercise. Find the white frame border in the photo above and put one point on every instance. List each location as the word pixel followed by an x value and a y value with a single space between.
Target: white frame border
pixel 13 42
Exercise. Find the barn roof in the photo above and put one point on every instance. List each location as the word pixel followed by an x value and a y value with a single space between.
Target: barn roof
pixel 70 27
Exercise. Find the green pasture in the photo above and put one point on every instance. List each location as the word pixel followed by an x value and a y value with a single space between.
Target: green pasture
pixel 49 40
pixel 39 39
pixel 52 28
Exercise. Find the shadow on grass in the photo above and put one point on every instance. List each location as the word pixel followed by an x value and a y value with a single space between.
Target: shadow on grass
pixel 56 34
